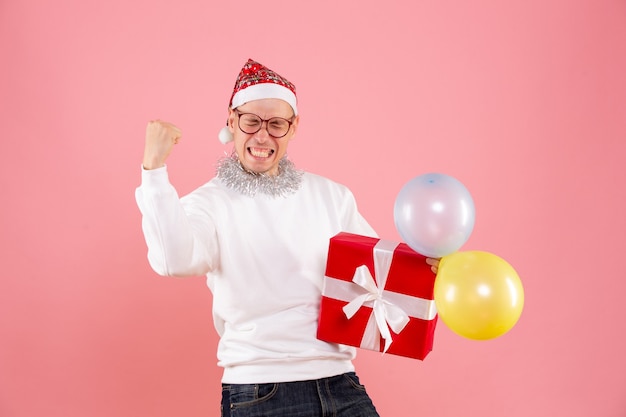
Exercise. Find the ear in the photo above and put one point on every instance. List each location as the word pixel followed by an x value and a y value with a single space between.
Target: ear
pixel 230 122
pixel 294 126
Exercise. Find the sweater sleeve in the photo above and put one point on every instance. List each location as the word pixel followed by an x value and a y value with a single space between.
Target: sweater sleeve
pixel 180 242
pixel 354 222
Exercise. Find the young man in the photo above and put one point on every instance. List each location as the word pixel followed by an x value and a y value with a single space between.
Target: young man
pixel 259 231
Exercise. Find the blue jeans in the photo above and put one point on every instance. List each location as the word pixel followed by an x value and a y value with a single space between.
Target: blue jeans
pixel 336 396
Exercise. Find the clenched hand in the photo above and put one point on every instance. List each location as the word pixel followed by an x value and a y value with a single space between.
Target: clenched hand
pixel 160 139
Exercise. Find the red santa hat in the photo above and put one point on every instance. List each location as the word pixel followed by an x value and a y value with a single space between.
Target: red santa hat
pixel 255 82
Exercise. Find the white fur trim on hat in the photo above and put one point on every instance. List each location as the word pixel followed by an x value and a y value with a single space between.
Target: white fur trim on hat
pixel 264 90
pixel 225 136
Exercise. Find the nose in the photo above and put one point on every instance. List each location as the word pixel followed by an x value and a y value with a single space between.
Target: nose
pixel 262 135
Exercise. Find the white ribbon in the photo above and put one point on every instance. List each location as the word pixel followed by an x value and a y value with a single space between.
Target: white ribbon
pixel 385 314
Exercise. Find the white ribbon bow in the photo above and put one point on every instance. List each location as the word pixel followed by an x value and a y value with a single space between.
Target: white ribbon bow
pixel 385 314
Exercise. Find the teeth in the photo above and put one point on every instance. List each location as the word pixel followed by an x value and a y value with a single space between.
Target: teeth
pixel 261 153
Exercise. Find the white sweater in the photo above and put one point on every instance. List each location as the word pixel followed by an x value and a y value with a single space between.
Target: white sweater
pixel 264 258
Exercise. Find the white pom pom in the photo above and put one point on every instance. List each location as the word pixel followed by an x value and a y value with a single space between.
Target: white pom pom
pixel 225 136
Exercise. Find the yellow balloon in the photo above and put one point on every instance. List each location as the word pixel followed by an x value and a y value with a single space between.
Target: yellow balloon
pixel 478 294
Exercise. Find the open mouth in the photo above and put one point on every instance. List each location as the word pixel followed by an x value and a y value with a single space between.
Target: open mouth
pixel 261 152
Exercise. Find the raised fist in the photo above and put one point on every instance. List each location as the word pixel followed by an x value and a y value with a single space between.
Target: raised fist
pixel 160 139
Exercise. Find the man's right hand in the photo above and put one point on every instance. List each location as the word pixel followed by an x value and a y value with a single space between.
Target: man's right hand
pixel 160 139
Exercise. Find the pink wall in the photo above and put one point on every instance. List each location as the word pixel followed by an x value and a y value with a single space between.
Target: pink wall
pixel 524 101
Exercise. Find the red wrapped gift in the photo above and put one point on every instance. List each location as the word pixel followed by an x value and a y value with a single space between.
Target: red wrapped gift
pixel 377 295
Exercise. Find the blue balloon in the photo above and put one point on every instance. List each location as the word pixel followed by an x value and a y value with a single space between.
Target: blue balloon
pixel 434 213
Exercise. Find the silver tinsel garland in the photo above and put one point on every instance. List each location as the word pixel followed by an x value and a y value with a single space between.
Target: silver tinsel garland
pixel 235 176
